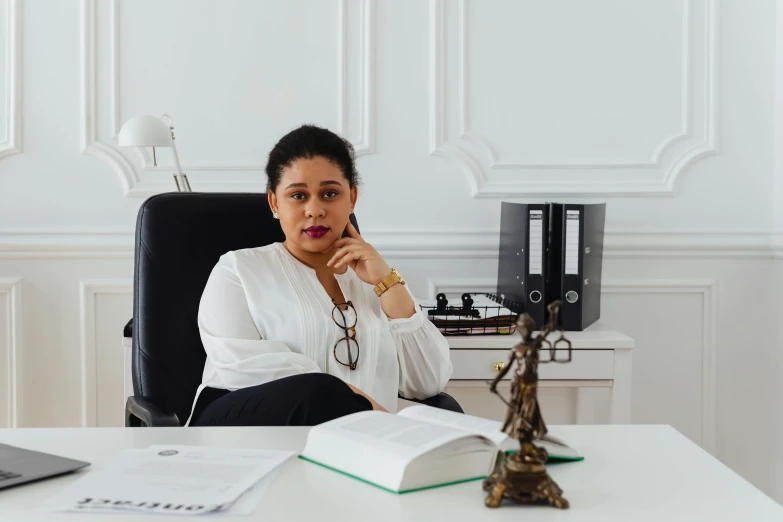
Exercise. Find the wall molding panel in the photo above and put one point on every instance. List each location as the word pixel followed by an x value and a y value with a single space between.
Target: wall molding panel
pixel 364 143
pixel 417 244
pixel 656 175
pixel 12 142
pixel 776 241
pixel 707 289
pixel 225 179
pixel 11 352
pixel 88 292
pixel 89 104
pixel 65 244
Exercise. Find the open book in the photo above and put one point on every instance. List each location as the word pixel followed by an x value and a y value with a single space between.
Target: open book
pixel 421 447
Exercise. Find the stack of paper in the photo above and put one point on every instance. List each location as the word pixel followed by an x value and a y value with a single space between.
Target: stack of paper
pixel 177 480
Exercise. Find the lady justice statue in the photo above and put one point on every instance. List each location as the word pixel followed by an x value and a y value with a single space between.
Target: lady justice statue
pixel 521 476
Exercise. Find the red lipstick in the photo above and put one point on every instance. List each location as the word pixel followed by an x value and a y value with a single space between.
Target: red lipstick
pixel 316 232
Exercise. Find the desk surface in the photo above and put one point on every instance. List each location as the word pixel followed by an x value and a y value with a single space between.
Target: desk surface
pixel 639 473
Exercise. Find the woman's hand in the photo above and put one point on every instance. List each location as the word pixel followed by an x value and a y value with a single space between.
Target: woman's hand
pixel 375 405
pixel 361 256
pixel 370 267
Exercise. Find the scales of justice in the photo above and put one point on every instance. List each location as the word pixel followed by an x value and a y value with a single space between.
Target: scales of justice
pixel 521 476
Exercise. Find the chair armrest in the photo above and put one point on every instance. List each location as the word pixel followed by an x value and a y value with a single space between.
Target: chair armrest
pixel 443 400
pixel 127 331
pixel 142 412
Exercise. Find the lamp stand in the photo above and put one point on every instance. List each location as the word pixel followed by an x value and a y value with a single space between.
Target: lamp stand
pixel 179 178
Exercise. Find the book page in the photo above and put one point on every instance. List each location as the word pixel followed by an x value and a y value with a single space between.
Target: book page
pixel 397 453
pixel 460 421
pixel 405 437
pixel 488 428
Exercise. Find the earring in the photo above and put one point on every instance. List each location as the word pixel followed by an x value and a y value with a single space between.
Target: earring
pixel 351 211
pixel 274 215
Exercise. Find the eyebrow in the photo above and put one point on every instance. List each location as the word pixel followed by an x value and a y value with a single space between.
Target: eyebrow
pixel 323 183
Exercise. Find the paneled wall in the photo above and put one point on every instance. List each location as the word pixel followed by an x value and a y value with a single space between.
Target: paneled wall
pixel 664 109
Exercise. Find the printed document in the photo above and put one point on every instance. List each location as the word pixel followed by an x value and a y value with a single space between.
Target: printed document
pixel 177 480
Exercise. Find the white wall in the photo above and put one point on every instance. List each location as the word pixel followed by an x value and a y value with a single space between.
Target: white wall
pixel 664 109
pixel 777 240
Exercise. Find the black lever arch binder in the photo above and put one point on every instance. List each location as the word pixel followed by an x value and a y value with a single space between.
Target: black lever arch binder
pixel 549 252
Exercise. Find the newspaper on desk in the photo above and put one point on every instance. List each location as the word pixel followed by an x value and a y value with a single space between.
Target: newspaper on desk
pixel 493 318
pixel 176 480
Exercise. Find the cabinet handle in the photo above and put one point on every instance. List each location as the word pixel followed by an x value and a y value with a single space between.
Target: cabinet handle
pixel 499 366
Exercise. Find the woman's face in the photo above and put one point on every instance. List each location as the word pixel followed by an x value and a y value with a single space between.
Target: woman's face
pixel 313 200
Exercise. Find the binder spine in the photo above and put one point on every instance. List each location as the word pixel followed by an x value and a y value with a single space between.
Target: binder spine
pixel 512 260
pixel 572 267
pixel 536 297
pixel 592 251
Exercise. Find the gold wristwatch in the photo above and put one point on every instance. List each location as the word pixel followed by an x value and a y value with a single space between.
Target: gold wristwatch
pixel 388 282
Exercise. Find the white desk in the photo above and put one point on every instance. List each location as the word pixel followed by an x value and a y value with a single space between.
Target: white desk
pixel 601 360
pixel 630 473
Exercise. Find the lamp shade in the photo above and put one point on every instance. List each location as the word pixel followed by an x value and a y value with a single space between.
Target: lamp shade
pixel 145 131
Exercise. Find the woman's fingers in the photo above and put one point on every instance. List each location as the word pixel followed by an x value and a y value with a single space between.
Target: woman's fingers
pixel 342 251
pixel 340 243
pixel 347 258
pixel 352 254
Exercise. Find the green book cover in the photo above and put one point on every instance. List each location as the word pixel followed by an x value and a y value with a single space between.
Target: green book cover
pixel 385 488
pixel 552 459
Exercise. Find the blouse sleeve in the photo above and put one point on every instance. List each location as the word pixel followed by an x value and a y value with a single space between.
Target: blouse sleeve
pixel 234 347
pixel 423 355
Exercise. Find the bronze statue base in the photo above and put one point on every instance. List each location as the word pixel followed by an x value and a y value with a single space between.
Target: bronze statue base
pixel 523 479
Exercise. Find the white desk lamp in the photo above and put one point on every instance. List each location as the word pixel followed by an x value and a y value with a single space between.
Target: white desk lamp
pixel 149 131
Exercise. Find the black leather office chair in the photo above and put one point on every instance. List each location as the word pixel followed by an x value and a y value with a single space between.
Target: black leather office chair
pixel 179 239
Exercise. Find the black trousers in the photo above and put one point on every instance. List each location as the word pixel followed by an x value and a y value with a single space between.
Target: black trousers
pixel 299 400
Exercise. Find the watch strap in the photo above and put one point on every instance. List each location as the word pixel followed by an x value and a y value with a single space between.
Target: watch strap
pixel 388 282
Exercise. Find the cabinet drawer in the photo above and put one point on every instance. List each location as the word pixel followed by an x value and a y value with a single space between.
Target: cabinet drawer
pixel 585 365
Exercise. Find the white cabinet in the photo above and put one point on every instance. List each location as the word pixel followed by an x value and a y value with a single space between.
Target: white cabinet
pixel 595 387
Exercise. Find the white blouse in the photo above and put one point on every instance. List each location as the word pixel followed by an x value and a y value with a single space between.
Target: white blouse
pixel 265 315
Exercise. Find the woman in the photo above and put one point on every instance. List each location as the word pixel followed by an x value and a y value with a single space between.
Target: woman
pixel 319 326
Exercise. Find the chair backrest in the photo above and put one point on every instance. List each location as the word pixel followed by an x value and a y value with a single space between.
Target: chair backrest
pixel 179 239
